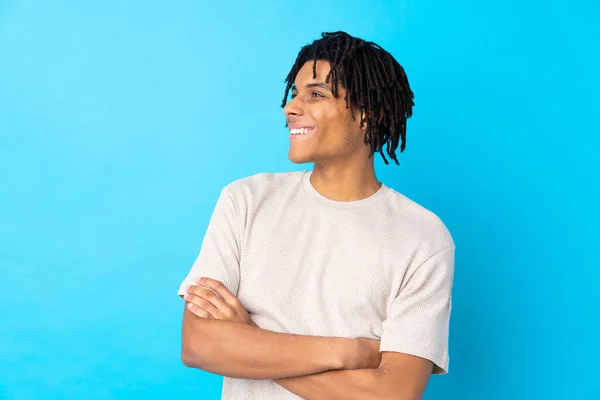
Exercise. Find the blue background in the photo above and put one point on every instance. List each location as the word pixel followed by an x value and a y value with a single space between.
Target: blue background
pixel 121 121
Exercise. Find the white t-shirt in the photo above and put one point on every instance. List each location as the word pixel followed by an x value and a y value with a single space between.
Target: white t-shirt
pixel 377 268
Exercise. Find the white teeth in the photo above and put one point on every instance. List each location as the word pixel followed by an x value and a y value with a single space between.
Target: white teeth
pixel 300 131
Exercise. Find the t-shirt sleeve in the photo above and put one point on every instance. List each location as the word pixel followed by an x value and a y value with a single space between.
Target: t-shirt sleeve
pixel 418 320
pixel 219 256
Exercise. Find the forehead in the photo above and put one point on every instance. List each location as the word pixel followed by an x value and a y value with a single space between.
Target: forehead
pixel 305 75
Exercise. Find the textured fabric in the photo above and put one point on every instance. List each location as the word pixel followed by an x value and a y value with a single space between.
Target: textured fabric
pixel 377 268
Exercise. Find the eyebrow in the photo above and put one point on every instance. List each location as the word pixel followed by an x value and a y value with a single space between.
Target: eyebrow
pixel 311 85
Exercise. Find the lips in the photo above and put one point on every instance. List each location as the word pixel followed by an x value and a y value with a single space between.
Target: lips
pixel 298 125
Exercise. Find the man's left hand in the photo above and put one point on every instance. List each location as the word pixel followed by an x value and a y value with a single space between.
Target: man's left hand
pixel 204 303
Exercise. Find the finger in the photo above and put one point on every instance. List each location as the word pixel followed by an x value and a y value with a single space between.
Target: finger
pixel 204 305
pixel 209 296
pixel 199 312
pixel 219 288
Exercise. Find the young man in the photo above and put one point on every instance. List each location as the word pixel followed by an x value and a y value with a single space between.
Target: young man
pixel 325 284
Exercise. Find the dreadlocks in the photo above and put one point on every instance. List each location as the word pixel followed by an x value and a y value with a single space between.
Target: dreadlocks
pixel 374 81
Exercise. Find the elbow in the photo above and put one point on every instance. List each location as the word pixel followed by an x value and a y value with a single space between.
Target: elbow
pixel 388 388
pixel 201 343
pixel 195 359
pixel 194 356
pixel 189 359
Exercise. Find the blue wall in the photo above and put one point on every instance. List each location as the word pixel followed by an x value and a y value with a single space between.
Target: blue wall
pixel 121 121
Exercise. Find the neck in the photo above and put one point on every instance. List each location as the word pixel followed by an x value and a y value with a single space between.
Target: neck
pixel 345 183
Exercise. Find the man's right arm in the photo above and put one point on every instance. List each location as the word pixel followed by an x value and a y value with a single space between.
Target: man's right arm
pixel 238 350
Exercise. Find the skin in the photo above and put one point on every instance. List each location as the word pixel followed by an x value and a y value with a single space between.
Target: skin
pixel 342 168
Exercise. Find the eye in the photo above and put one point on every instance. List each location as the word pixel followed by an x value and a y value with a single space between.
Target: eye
pixel 316 94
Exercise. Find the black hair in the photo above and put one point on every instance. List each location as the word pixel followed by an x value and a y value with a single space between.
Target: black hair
pixel 375 83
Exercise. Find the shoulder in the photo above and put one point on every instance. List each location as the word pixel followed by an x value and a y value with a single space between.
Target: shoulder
pixel 419 224
pixel 251 191
pixel 263 182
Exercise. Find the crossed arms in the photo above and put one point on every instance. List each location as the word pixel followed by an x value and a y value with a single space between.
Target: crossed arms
pixel 310 366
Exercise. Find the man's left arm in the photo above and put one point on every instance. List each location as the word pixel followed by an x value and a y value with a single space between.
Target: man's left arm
pixel 417 324
pixel 399 377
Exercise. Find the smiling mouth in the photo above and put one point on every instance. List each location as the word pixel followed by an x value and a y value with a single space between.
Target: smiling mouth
pixel 300 131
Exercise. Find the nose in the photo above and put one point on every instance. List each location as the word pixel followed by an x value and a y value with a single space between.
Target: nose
pixel 293 108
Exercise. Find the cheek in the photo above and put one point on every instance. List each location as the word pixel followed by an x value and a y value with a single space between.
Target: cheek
pixel 337 129
pixel 337 136
pixel 334 124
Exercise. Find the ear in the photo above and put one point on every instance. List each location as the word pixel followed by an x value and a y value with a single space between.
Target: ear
pixel 363 117
pixel 363 120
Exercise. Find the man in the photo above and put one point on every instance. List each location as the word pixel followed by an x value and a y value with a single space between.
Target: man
pixel 325 284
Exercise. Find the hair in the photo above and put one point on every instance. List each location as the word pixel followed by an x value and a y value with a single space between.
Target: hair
pixel 375 83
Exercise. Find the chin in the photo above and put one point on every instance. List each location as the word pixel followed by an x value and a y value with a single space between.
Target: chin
pixel 299 160
pixel 298 157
